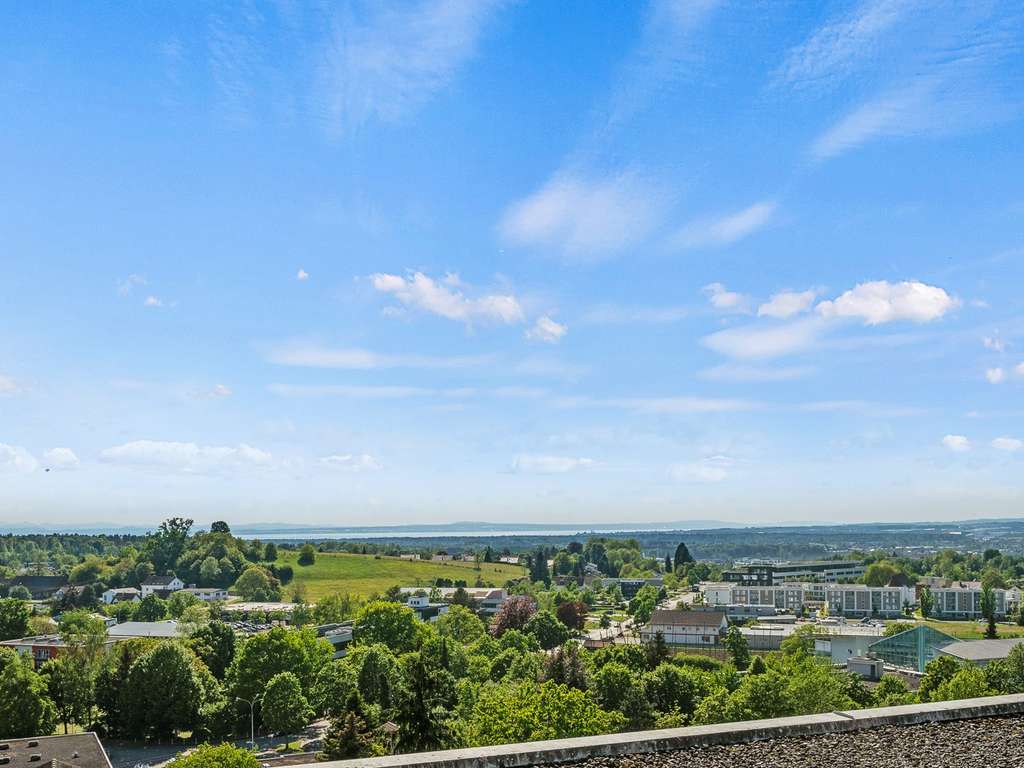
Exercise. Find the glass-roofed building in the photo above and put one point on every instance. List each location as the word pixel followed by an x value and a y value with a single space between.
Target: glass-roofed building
pixel 912 649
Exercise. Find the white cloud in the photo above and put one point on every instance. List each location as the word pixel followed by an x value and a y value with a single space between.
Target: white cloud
pixel 1019 369
pixel 60 458
pixel 367 392
pixel 538 464
pixel 957 443
pixel 312 355
pixel 302 275
pixel 220 390
pixel 898 113
pixel 836 48
pixel 995 375
pixel 733 372
pixel 187 458
pixel 8 386
pixel 713 469
pixel 14 458
pixel 680 405
pixel 442 298
pixel 752 342
pixel 584 217
pixel 1009 444
pixel 546 329
pixel 153 301
pixel 880 301
pixel 993 343
pixel 387 62
pixel 127 286
pixel 787 303
pixel 727 229
pixel 725 300
pixel 349 462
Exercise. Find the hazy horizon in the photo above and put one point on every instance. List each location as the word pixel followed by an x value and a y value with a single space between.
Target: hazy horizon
pixel 359 264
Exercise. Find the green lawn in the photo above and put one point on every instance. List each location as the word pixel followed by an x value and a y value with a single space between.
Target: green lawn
pixel 363 574
pixel 973 630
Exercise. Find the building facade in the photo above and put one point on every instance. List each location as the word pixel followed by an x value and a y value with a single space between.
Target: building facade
pixel 771 573
pixel 702 628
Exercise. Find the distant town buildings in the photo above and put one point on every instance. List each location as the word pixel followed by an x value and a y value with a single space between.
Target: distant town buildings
pixel 767 573
pixel 161 586
pixel 703 628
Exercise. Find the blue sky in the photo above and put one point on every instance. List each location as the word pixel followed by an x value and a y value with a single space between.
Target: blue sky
pixel 563 262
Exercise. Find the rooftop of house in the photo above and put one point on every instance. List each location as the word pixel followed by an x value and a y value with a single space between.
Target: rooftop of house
pixel 982 650
pixel 159 581
pixel 688 618
pixel 82 750
pixel 38 582
pixel 167 628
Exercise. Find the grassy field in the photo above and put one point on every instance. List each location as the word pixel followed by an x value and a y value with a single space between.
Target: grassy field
pixel 973 630
pixel 363 574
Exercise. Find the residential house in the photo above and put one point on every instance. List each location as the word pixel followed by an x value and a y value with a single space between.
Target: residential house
pixel 121 595
pixel 41 648
pixel 161 586
pixel 686 627
pixel 426 610
pixel 207 594
pixel 486 600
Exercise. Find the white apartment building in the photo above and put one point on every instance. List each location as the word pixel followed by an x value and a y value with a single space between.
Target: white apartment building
pixel 860 600
pixel 161 585
pixel 852 600
pixel 962 600
pixel 207 594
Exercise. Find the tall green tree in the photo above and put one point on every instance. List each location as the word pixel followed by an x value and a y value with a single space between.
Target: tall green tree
pixel 739 648
pixel 214 644
pixel 14 618
pixel 548 630
pixel 164 693
pixel 392 624
pixel 69 684
pixel 682 555
pixel 220 756
pixel 284 708
pixel 307 555
pixel 25 707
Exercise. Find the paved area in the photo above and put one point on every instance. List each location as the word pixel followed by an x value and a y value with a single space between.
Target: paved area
pixel 996 742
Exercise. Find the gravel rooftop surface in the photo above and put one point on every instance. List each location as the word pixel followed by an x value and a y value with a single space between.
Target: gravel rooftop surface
pixel 995 742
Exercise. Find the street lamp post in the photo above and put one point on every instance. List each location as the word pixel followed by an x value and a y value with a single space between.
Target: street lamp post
pixel 252 719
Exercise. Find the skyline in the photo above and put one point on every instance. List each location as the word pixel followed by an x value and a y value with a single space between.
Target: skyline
pixel 378 264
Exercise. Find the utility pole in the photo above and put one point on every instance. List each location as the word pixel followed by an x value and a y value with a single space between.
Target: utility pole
pixel 252 720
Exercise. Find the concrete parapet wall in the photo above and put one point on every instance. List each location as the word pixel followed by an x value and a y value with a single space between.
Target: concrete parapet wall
pixel 640 742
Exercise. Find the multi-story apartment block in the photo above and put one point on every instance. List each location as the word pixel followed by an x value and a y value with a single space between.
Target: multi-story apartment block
pixel 767 574
pixel 962 600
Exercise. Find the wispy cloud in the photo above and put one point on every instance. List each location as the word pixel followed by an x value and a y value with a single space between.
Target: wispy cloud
pixel 676 405
pixel 785 304
pixel 61 459
pixel 726 229
pixel 1008 444
pixel 389 61
pixel 725 300
pixel 538 464
pixel 584 218
pixel 302 275
pixel 127 286
pixel 17 460
pixel 366 392
pixel 840 46
pixel 956 443
pixel 613 314
pixel 312 355
pixel 735 372
pixel 547 330
pixel 9 386
pixel 752 342
pixel 995 375
pixel 446 298
pixel 712 469
pixel 187 458
pixel 350 462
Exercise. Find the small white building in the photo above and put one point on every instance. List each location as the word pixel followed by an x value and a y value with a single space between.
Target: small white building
pixel 161 585
pixel 686 627
pixel 207 594
pixel 717 592
pixel 426 610
pixel 121 595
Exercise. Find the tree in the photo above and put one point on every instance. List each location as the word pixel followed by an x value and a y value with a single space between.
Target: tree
pixel 70 687
pixel 25 708
pixel 513 614
pixel 927 602
pixel 335 608
pixel 346 738
pixel 461 624
pixel 968 683
pixel 896 628
pixel 378 676
pixel 163 693
pixel 262 656
pixel 668 564
pixel 988 610
pixel 220 756
pixel 20 592
pixel 425 706
pixel 151 608
pixel 548 630
pixel 335 683
pixel 164 547
pixel 566 666
pixel 539 567
pixel 656 650
pixel 612 683
pixel 256 584
pixel 682 555
pixel 270 552
pixel 219 526
pixel 214 644
pixel 85 636
pixel 936 672
pixel 307 555
pixel 739 648
pixel 284 708
pixel 14 618
pixel 573 613
pixel 892 691
pixel 670 688
pixel 179 601
pixel 392 624
pixel 642 605
pixel 209 571
pixel 511 712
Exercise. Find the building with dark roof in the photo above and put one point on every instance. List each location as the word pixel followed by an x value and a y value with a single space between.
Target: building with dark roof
pixel 79 750
pixel 40 587
pixel 686 627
